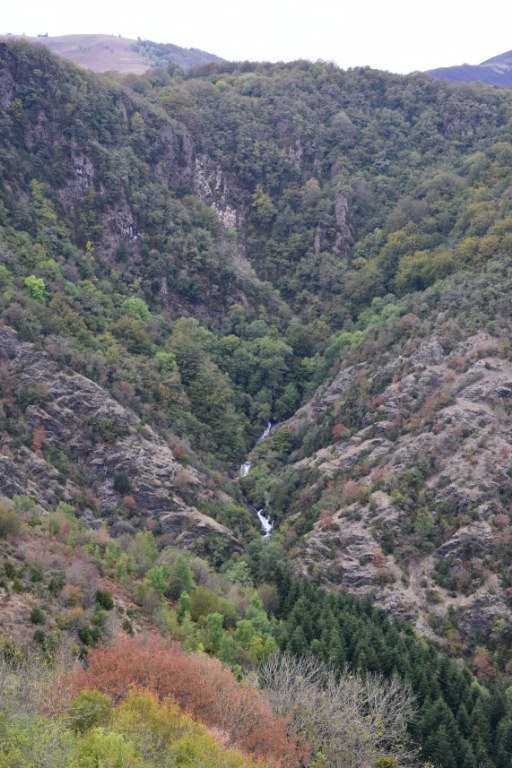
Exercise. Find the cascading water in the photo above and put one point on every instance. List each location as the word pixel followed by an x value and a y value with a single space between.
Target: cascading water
pixel 265 523
pixel 244 471
pixel 265 433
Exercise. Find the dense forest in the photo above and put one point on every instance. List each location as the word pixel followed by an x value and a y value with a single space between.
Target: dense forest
pixel 184 259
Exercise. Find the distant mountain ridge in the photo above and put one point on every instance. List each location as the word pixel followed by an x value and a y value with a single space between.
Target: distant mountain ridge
pixel 104 53
pixel 495 71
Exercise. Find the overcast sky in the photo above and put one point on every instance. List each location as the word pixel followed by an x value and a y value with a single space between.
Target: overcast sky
pixel 396 35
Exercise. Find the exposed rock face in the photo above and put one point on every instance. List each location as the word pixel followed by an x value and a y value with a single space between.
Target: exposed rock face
pixel 69 413
pixel 211 186
pixel 417 506
pixel 343 232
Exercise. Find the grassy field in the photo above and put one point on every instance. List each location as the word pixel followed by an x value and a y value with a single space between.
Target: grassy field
pixel 104 53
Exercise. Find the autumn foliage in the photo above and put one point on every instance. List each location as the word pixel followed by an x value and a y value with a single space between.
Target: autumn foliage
pixel 200 686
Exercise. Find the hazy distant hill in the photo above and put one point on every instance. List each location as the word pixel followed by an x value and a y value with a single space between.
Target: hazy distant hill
pixel 103 53
pixel 495 71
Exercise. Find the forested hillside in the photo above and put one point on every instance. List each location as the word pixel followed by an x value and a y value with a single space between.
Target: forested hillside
pixel 185 258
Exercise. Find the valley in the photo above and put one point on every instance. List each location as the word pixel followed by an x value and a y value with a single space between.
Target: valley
pixel 255 397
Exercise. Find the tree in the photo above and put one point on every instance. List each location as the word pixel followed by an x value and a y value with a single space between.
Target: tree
pixel 179 578
pixel 9 523
pixel 142 552
pixel 88 710
pixel 122 483
pixel 36 288
pixel 199 685
pixel 350 720
pixel 137 308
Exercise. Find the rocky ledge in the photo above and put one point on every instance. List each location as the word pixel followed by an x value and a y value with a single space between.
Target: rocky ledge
pixel 64 438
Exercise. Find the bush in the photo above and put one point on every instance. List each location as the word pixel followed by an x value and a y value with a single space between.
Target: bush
pixel 37 616
pixel 88 710
pixel 122 483
pixel 9 523
pixel 198 684
pixel 128 626
pixel 9 569
pixel 105 599
pixel 40 637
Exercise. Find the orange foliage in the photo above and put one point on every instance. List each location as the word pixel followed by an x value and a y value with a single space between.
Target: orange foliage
pixel 38 439
pixel 378 558
pixel 349 492
pixel 200 686
pixel 338 431
pixel 325 518
pixel 501 521
pixel 129 502
pixel 483 667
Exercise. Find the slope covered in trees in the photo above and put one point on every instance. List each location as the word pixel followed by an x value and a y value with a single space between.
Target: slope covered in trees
pixel 184 258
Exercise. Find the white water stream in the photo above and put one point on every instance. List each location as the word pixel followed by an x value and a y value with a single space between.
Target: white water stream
pixel 244 471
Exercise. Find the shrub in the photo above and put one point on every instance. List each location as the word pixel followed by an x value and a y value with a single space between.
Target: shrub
pixel 122 483
pixel 88 710
pixel 9 569
pixel 37 616
pixel 198 684
pixel 36 288
pixel 40 637
pixel 9 523
pixel 105 599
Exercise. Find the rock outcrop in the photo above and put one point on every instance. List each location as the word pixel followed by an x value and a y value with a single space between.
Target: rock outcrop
pixel 75 443
pixel 416 508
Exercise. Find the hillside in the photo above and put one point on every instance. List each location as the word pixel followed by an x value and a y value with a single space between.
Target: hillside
pixel 410 485
pixel 110 53
pixel 186 257
pixel 233 267
pixel 495 71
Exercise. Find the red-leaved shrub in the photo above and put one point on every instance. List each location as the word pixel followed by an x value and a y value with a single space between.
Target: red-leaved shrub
pixel 200 686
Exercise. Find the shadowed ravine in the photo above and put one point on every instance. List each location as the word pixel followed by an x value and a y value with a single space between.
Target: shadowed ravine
pixel 244 471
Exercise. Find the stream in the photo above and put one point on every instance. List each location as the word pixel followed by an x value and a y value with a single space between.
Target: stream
pixel 265 523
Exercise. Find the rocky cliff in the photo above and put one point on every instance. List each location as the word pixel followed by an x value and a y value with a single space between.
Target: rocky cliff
pixel 412 501
pixel 65 439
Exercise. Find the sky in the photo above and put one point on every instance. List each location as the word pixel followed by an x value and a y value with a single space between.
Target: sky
pixel 394 35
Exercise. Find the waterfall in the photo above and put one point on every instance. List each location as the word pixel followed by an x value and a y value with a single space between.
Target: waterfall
pixel 244 471
pixel 265 433
pixel 265 522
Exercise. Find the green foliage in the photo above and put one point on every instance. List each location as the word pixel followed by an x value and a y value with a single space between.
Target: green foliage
pixel 104 599
pixel 9 523
pixel 240 572
pixel 179 578
pixel 122 483
pixel 36 288
pixel 159 578
pixel 137 308
pixel 166 362
pixel 142 552
pixel 37 616
pixel 89 710
pixel 343 631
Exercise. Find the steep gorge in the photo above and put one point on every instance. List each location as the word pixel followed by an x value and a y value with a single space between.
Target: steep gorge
pixel 185 258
